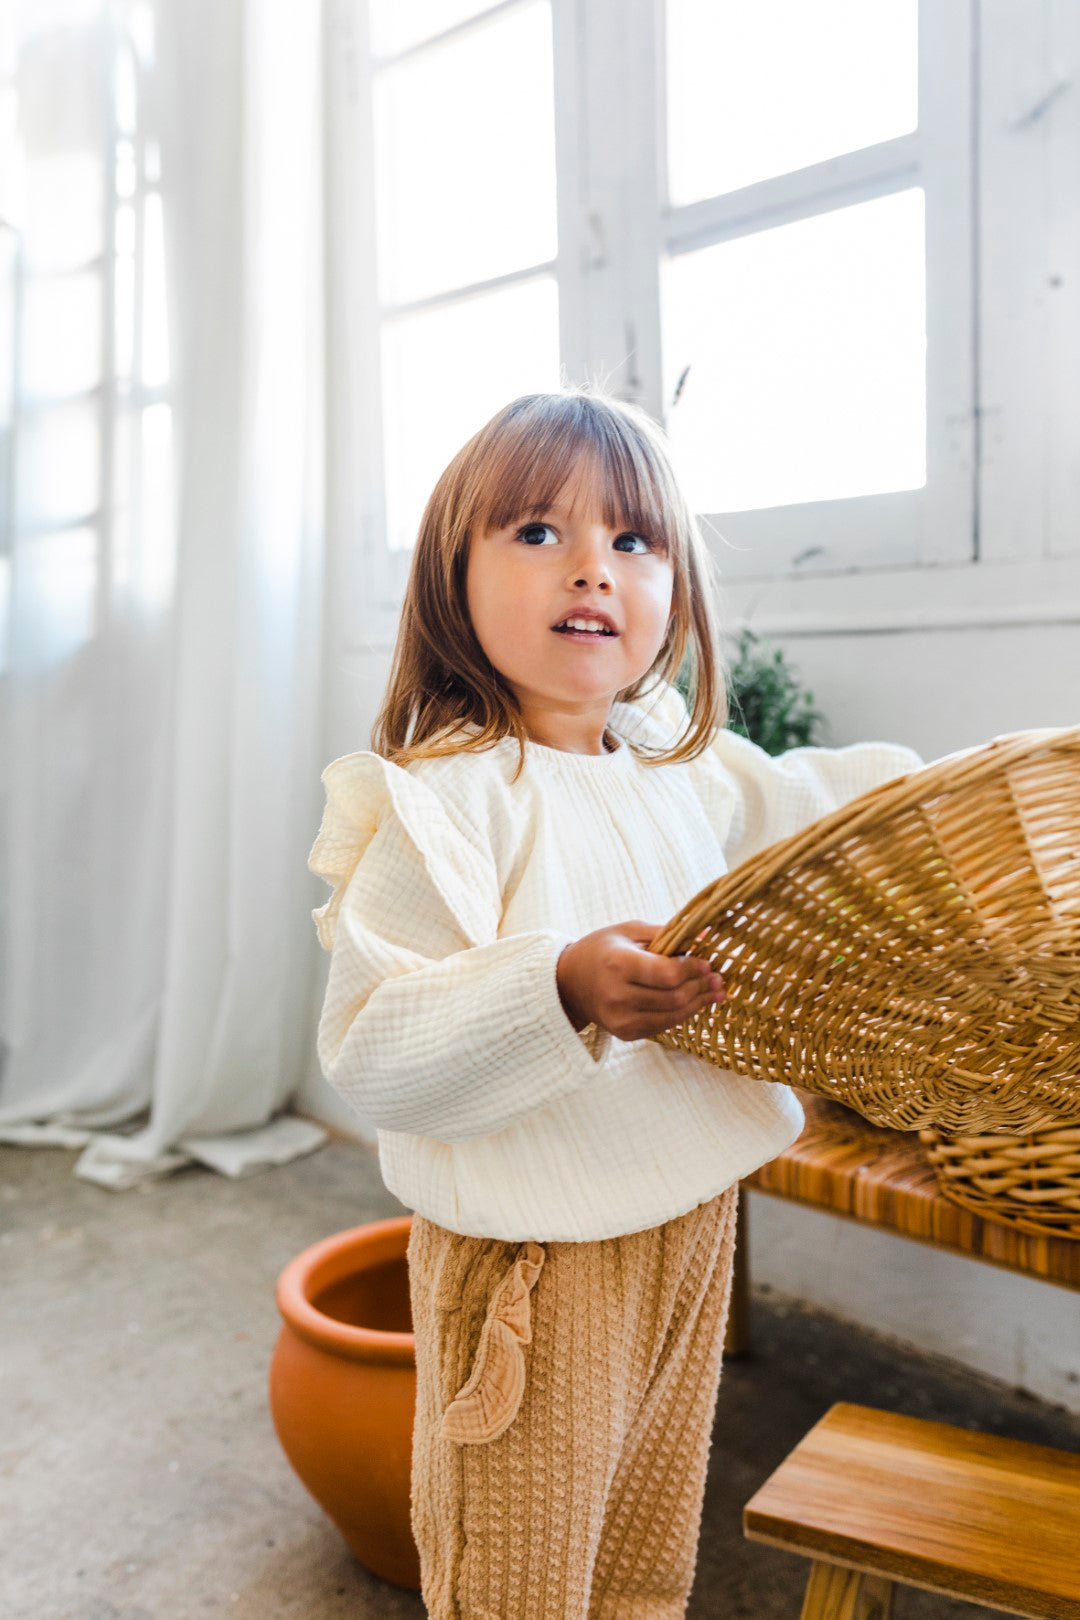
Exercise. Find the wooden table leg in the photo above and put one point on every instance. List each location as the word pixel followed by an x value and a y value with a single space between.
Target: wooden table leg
pixel 836 1593
pixel 737 1338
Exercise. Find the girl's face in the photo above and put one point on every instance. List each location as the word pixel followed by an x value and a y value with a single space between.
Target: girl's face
pixel 525 580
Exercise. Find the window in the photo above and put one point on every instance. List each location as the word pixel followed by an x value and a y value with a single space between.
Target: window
pixel 798 348
pixel 814 204
pixel 463 125
pixel 782 228
pixel 83 292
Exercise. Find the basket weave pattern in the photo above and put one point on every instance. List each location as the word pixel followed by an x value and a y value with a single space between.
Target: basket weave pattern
pixel 1031 1182
pixel 914 955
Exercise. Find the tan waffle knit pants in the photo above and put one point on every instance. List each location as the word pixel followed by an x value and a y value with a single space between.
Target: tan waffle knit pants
pixel 565 1401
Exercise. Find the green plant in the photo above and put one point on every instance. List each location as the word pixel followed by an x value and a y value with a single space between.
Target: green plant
pixel 767 703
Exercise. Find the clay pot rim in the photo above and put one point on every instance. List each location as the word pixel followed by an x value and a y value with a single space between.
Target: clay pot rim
pixel 329 1261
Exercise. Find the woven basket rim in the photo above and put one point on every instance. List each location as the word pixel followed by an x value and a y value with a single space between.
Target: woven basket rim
pixel 947 775
pixel 995 1141
pixel 1016 1181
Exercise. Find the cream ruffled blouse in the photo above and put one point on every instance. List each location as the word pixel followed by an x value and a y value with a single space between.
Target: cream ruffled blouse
pixel 454 892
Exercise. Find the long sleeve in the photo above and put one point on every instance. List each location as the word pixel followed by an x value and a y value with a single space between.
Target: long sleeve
pixel 432 1024
pixel 779 795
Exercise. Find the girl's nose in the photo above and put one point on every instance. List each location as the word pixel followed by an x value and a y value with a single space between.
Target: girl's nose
pixel 592 566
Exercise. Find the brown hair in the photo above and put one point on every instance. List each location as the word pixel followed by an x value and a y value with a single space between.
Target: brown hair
pixel 440 678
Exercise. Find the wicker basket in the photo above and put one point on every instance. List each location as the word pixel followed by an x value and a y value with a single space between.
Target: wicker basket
pixel 915 954
pixel 1028 1182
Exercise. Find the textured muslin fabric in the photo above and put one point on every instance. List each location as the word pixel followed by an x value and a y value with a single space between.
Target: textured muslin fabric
pixel 564 1409
pixel 455 888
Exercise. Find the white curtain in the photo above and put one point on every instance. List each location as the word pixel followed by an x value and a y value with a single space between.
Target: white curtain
pixel 163 574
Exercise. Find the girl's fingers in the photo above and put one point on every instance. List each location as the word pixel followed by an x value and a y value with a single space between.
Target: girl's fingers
pixel 673 1004
pixel 668 972
pixel 653 1024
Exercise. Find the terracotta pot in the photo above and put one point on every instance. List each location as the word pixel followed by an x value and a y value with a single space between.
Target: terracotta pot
pixel 343 1388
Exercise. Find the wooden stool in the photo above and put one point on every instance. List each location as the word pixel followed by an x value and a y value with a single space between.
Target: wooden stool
pixel 876 1498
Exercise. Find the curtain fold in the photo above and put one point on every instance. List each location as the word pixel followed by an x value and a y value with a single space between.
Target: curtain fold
pixel 162 767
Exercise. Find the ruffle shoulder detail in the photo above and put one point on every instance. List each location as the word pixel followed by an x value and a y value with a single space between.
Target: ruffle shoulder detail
pixel 362 791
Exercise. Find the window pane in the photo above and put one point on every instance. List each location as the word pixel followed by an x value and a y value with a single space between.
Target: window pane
pixel 37 16
pixel 57 585
pixel 64 211
pixel 57 474
pixel 124 290
pixel 143 539
pixel 5 614
pixel 760 90
pixel 445 372
pixel 465 158
pixel 807 353
pixel 395 26
pixel 61 334
pixel 8 245
pixel 62 116
pixel 153 574
pixel 143 535
pixel 155 331
pixel 10 159
pixel 126 97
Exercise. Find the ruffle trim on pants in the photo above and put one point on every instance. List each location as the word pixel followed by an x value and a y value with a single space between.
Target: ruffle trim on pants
pixel 488 1401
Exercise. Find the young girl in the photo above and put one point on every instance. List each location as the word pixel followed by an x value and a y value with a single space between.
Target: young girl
pixel 539 801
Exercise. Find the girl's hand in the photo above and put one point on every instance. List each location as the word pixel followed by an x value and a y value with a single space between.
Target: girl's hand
pixel 607 978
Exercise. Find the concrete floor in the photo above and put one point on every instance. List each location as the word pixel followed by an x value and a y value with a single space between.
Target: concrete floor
pixel 140 1476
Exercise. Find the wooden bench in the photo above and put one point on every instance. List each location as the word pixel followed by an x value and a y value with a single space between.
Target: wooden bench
pixel 877 1499
pixel 843 1164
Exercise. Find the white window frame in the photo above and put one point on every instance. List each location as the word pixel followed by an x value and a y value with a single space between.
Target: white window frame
pixel 1030 280
pixel 994 536
pixel 384 571
pixel 1023 565
pixel 627 124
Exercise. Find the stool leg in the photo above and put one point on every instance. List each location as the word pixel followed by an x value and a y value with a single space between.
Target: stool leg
pixel 836 1593
pixel 737 1336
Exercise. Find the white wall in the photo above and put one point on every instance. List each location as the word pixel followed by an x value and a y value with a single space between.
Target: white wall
pixel 1025 1332
pixel 940 690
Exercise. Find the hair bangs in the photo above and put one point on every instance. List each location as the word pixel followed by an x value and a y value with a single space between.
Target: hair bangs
pixel 636 490
pixel 580 444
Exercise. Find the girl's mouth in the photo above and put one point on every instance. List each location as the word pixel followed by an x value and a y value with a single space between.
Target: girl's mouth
pixel 585 635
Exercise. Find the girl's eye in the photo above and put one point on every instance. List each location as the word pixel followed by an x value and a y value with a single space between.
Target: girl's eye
pixel 538 528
